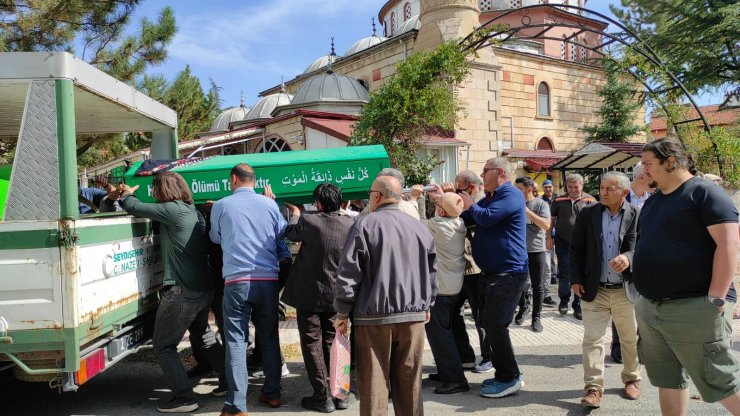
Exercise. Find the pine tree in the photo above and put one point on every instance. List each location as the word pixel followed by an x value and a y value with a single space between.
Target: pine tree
pixel 617 111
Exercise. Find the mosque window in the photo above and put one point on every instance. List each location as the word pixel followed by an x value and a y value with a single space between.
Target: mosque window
pixel 485 5
pixel 562 50
pixel 573 56
pixel 406 11
pixel 583 54
pixel 545 143
pixel 273 144
pixel 393 23
pixel 543 100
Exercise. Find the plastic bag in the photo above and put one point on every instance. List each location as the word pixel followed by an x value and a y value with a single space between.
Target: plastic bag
pixel 339 363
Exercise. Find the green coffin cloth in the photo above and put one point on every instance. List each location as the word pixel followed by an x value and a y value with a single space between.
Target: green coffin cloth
pixel 293 175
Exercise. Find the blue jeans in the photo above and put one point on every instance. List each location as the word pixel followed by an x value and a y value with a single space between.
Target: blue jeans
pixel 183 309
pixel 502 295
pixel 258 301
pixel 562 250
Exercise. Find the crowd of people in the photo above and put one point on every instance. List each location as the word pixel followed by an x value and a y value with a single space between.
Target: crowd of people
pixel 655 256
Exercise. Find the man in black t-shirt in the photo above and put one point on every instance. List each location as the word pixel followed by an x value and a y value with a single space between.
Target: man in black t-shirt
pixel 683 269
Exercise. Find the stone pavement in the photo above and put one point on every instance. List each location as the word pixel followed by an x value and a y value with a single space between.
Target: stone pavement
pixel 550 362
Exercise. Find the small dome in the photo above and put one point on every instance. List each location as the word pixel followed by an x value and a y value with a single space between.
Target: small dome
pixel 330 86
pixel 321 62
pixel 267 104
pixel 364 43
pixel 221 123
pixel 412 23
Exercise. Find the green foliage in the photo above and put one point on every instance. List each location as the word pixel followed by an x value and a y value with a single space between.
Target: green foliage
pixel 697 39
pixel 98 26
pixel 617 111
pixel 416 101
pixel 701 146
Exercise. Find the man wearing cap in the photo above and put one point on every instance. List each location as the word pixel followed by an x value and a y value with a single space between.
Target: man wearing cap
pixel 448 230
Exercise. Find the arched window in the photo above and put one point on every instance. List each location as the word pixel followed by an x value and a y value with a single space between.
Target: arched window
pixel 543 100
pixel 393 23
pixel 406 11
pixel 545 144
pixel 273 144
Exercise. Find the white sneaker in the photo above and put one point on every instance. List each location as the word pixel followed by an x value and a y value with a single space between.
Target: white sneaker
pixel 284 371
pixel 484 366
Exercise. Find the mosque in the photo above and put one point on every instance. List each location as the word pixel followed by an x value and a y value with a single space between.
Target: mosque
pixel 525 99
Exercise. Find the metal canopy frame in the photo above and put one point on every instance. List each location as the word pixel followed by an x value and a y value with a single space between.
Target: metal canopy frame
pixel 624 37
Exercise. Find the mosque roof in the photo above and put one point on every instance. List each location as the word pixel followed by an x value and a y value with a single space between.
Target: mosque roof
pixel 364 43
pixel 412 24
pixel 330 87
pixel 266 105
pixel 221 123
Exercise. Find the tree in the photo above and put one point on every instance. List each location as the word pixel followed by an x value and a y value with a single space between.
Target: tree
pixel 415 101
pixel 195 109
pixel 699 40
pixel 617 111
pixel 96 26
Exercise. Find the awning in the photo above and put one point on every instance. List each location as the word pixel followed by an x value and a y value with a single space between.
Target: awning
pixel 535 160
pixel 341 129
pixel 599 156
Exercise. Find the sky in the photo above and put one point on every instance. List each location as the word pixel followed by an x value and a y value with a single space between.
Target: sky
pixel 246 47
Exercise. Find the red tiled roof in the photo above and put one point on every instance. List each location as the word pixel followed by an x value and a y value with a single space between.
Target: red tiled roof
pixel 714 116
pixel 543 154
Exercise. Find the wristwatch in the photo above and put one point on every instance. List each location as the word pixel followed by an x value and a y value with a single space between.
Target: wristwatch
pixel 718 302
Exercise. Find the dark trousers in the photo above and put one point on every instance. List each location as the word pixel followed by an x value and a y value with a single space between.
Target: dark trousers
pixel 183 309
pixel 316 333
pixel 502 294
pixel 441 341
pixel 218 313
pixel 538 277
pixel 472 292
pixel 563 251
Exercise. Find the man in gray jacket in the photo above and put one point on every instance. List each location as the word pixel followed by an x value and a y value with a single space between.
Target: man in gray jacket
pixel 386 277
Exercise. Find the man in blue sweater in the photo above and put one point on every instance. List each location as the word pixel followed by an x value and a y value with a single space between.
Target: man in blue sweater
pixel 500 250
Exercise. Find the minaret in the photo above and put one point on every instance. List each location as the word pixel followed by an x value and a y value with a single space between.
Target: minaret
pixel 442 20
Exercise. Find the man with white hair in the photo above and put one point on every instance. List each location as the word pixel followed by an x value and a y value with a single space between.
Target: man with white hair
pixel 563 212
pixel 640 189
pixel 601 249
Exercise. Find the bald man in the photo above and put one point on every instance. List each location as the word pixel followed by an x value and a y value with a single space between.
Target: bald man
pixel 386 277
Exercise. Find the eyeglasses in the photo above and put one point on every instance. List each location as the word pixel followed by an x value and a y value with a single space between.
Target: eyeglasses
pixel 370 192
pixel 485 170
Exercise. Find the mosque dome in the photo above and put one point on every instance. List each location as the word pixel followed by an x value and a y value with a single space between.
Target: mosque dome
pixel 221 123
pixel 321 62
pixel 412 23
pixel 266 105
pixel 330 86
pixel 365 43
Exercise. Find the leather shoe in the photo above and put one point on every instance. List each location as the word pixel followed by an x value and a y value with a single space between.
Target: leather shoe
pixel 632 390
pixel 592 398
pixel 341 404
pixel 537 325
pixel 578 315
pixel 434 377
pixel 274 403
pixel 199 370
pixel 563 309
pixel 317 404
pixel 452 388
pixel 519 319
